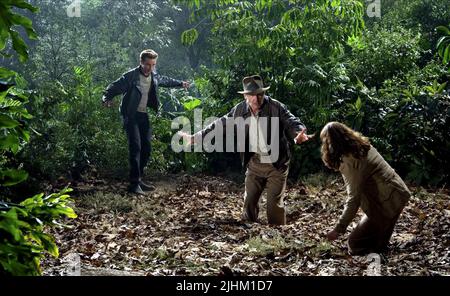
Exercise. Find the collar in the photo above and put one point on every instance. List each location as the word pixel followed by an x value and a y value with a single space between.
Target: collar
pixel 140 71
pixel 247 110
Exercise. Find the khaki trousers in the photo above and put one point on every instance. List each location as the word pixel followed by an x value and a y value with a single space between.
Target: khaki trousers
pixel 260 176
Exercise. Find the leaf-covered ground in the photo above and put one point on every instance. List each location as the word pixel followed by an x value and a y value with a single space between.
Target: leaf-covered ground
pixel 191 226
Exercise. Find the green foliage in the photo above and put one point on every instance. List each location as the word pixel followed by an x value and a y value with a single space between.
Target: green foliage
pixel 416 117
pixel 406 119
pixel 189 37
pixel 76 143
pixel 191 103
pixel 443 45
pixel 384 53
pixel 419 15
pixel 23 240
pixel 283 41
pixel 13 132
pixel 8 20
pixel 355 114
pixel 13 99
pixel 108 36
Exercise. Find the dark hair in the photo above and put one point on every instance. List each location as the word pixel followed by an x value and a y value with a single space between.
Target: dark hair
pixel 148 54
pixel 339 140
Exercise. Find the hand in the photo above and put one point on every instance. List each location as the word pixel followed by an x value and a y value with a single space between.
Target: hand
pixel 302 137
pixel 333 235
pixel 186 84
pixel 107 104
pixel 187 137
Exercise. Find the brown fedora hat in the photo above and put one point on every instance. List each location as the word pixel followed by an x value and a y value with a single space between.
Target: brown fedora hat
pixel 253 85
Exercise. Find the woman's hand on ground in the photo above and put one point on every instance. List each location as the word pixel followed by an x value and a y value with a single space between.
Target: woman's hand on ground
pixel 333 235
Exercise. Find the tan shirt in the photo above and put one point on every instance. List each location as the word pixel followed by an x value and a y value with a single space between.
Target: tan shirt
pixel 372 185
pixel 145 83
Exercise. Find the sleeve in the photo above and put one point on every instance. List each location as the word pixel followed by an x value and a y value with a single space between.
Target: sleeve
pixel 291 123
pixel 220 121
pixel 352 204
pixel 120 86
pixel 165 81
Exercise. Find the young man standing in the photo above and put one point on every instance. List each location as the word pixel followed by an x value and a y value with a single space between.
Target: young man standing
pixel 139 88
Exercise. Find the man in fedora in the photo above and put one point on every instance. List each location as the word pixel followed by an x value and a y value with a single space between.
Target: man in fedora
pixel 263 170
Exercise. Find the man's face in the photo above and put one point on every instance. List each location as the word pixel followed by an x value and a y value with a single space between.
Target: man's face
pixel 148 66
pixel 254 100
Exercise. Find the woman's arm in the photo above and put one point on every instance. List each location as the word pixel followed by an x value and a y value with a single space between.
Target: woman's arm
pixel 353 178
pixel 351 208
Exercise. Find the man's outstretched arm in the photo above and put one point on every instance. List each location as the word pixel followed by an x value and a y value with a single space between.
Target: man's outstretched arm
pixel 296 129
pixel 165 81
pixel 120 86
pixel 200 134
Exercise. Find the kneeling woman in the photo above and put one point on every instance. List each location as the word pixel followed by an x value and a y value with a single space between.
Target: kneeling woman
pixel 371 184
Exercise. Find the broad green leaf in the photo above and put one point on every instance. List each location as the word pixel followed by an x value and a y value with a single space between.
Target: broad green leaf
pixel 19 46
pixel 442 42
pixel 49 245
pixel 6 73
pixel 7 122
pixel 25 5
pixel 443 30
pixel 33 201
pixel 12 177
pixel 441 87
pixel 25 22
pixel 25 135
pixel 4 34
pixel 189 37
pixel 68 211
pixel 9 142
pixel 358 104
pixel 8 222
pixel 192 104
pixel 447 55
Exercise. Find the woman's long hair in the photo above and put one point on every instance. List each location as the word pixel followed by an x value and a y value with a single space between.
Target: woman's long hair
pixel 339 140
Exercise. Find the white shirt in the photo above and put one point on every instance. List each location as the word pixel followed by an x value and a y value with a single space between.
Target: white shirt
pixel 258 135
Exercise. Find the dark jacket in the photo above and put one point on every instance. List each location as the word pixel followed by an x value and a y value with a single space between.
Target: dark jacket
pixel 128 86
pixel 289 127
